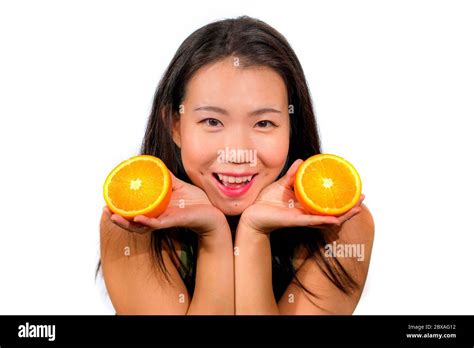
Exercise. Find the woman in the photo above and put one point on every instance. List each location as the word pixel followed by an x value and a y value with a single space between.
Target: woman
pixel 232 119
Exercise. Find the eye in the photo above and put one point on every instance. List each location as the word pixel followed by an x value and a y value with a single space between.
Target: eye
pixel 266 124
pixel 211 122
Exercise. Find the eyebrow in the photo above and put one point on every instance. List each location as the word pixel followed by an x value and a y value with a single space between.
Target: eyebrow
pixel 224 112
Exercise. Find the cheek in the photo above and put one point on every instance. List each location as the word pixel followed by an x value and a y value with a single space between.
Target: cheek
pixel 197 152
pixel 272 153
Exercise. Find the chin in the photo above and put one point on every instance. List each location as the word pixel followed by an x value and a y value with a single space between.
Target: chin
pixel 232 211
pixel 231 208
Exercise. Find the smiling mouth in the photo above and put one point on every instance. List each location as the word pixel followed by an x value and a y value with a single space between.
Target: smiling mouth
pixel 234 182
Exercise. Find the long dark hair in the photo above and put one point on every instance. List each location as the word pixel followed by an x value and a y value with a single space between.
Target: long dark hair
pixel 255 43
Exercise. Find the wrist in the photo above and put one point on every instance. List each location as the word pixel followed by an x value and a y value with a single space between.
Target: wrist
pixel 250 239
pixel 205 220
pixel 218 234
pixel 246 223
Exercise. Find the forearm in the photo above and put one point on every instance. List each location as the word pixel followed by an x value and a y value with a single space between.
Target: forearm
pixel 214 289
pixel 253 273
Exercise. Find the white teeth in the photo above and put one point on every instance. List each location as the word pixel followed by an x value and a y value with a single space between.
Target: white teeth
pixel 234 179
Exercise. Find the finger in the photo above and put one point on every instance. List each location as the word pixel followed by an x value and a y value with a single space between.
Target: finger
pixel 361 199
pixel 349 215
pixel 161 222
pixel 316 220
pixel 106 214
pixel 288 180
pixel 128 225
pixel 107 211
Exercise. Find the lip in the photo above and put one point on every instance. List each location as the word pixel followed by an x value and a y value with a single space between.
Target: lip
pixel 234 192
pixel 235 174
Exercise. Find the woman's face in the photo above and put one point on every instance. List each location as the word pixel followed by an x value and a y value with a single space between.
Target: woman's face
pixel 233 126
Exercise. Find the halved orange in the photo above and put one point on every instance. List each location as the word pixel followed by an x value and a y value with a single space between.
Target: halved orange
pixel 327 184
pixel 140 185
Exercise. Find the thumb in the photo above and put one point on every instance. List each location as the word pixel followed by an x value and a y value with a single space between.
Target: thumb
pixel 288 179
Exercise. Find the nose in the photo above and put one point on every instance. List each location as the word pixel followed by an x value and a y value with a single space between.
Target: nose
pixel 239 142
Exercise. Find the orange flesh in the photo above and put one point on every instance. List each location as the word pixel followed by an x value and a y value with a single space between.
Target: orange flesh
pixel 136 186
pixel 330 184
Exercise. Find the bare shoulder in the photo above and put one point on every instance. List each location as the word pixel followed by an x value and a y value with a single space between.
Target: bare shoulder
pixel 134 282
pixel 351 245
pixel 360 228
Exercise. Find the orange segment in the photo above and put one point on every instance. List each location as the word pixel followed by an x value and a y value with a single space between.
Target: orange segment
pixel 140 185
pixel 327 184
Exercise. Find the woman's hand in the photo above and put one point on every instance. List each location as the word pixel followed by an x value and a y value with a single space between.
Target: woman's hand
pixel 189 207
pixel 277 207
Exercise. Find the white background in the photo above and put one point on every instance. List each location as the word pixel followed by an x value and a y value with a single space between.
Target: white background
pixel 393 87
